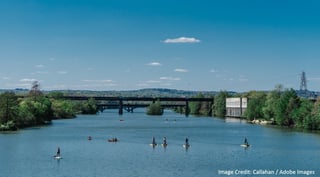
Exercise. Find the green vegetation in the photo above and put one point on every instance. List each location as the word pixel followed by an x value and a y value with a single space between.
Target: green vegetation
pixel 200 108
pixel 38 109
pixel 284 108
pixel 220 104
pixel 155 108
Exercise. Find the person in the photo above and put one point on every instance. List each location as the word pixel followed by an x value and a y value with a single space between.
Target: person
pixel 154 141
pixel 164 140
pixel 246 141
pixel 187 141
pixel 58 152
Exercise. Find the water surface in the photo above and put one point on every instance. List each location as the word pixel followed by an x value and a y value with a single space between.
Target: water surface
pixel 215 145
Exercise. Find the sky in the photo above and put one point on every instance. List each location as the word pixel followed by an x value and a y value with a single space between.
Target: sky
pixel 201 45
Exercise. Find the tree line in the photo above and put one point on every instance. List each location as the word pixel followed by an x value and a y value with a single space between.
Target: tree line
pixel 38 109
pixel 284 108
pixel 198 108
pixel 280 106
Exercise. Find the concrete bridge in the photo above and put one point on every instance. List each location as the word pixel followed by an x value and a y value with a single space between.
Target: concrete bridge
pixel 130 103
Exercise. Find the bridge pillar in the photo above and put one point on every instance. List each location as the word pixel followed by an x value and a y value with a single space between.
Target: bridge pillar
pixel 120 107
pixel 187 111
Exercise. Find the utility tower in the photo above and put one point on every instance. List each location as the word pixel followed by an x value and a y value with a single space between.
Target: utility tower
pixel 303 82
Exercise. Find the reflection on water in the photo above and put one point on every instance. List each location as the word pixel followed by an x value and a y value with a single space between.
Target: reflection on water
pixel 215 145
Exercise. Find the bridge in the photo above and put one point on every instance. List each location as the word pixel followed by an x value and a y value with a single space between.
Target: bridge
pixel 130 103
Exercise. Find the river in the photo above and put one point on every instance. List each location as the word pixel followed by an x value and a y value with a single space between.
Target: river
pixel 215 148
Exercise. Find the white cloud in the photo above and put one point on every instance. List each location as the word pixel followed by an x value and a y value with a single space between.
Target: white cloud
pixel 180 70
pixel 28 80
pixel 154 64
pixel 62 72
pixel 213 71
pixel 170 78
pixel 182 40
pixel 5 78
pixel 39 66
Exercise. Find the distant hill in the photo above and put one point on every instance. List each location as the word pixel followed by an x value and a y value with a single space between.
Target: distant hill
pixel 150 92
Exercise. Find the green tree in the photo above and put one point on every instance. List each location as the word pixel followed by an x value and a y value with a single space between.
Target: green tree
pixel 195 106
pixel 89 106
pixel 8 110
pixel 303 113
pixel 35 92
pixel 313 122
pixel 220 104
pixel 272 100
pixel 63 109
pixel 155 108
pixel 255 105
pixel 284 107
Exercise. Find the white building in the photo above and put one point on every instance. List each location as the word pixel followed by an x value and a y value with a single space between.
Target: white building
pixel 236 106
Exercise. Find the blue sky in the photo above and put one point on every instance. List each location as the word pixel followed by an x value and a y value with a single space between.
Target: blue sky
pixel 188 45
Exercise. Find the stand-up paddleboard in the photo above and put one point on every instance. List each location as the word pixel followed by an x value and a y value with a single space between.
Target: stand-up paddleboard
pixel 57 157
pixel 245 145
pixel 186 145
pixel 164 145
pixel 153 145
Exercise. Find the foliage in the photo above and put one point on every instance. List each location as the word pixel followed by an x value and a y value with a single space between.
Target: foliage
pixel 313 122
pixel 287 102
pixel 255 105
pixel 220 104
pixel 200 108
pixel 195 106
pixel 63 109
pixel 89 106
pixel 37 109
pixel 285 108
pixel 8 107
pixel 271 103
pixel 155 108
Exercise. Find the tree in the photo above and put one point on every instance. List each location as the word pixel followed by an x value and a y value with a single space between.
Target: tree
pixel 63 109
pixel 155 108
pixel 35 90
pixel 271 103
pixel 302 114
pixel 8 109
pixel 89 107
pixel 313 122
pixel 195 106
pixel 220 104
pixel 255 105
pixel 284 108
